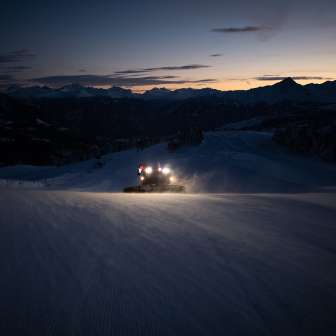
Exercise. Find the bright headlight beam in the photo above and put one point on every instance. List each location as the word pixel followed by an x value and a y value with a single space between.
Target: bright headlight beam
pixel 148 170
pixel 165 170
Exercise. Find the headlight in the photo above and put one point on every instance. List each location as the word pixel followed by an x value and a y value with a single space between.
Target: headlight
pixel 165 170
pixel 148 170
pixel 172 179
pixel 142 178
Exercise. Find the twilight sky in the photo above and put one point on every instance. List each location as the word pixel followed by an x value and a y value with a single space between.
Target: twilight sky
pixel 178 43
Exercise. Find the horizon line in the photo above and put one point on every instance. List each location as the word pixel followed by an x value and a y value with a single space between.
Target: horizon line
pixel 142 91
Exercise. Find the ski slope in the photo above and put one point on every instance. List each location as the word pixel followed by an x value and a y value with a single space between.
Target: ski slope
pixel 250 252
pixel 227 161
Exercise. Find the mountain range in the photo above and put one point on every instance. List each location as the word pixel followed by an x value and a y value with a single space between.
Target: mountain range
pixel 285 90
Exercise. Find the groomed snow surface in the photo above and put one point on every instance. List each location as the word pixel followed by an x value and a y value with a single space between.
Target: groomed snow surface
pixel 249 250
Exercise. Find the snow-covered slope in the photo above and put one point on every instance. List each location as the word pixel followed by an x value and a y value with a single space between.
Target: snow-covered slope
pixel 78 263
pixel 88 262
pixel 224 162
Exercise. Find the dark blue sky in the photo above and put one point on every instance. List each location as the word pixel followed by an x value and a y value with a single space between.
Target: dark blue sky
pixel 141 44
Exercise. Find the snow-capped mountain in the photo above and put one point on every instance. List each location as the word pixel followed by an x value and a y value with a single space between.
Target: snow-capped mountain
pixel 285 90
pixel 31 92
pixel 118 92
pixel 180 94
pixel 76 90
pixel 70 91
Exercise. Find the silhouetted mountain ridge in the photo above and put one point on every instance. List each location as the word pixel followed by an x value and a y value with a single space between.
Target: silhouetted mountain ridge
pixel 285 90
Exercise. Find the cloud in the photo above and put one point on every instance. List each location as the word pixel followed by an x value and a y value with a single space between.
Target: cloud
pixel 15 69
pixel 131 72
pixel 163 68
pixel 207 80
pixel 168 77
pixel 18 67
pixel 110 80
pixel 6 81
pixel 6 67
pixel 216 55
pixel 16 56
pixel 244 29
pixel 279 78
pixel 181 67
pixel 5 78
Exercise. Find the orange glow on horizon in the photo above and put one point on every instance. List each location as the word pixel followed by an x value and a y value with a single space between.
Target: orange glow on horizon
pixel 229 85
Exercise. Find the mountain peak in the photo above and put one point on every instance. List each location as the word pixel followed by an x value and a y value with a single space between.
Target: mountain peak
pixel 119 89
pixel 72 86
pixel 158 89
pixel 289 81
